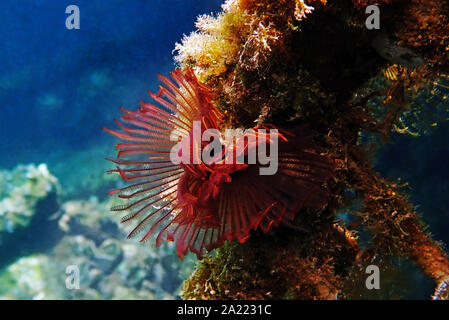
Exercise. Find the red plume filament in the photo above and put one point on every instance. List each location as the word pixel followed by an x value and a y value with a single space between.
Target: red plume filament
pixel 200 206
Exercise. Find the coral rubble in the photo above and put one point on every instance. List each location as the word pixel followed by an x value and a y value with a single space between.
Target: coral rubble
pixel 41 235
pixel 111 268
pixel 29 201
pixel 21 189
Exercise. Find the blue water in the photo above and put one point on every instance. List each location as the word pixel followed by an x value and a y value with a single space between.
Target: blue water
pixel 59 87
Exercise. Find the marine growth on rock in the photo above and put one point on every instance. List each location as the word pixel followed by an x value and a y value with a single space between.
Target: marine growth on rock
pixel 334 92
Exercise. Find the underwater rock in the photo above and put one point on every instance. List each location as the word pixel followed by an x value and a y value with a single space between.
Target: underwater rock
pixel 33 278
pixel 119 270
pixel 20 190
pixel 28 207
pixel 79 233
pixel 111 267
pixel 88 218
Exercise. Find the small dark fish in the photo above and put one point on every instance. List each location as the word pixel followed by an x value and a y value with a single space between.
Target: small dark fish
pixel 392 52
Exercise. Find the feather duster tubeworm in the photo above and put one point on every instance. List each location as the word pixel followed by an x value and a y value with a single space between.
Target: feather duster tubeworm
pixel 201 205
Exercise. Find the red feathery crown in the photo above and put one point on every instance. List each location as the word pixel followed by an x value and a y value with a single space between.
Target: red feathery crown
pixel 199 206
